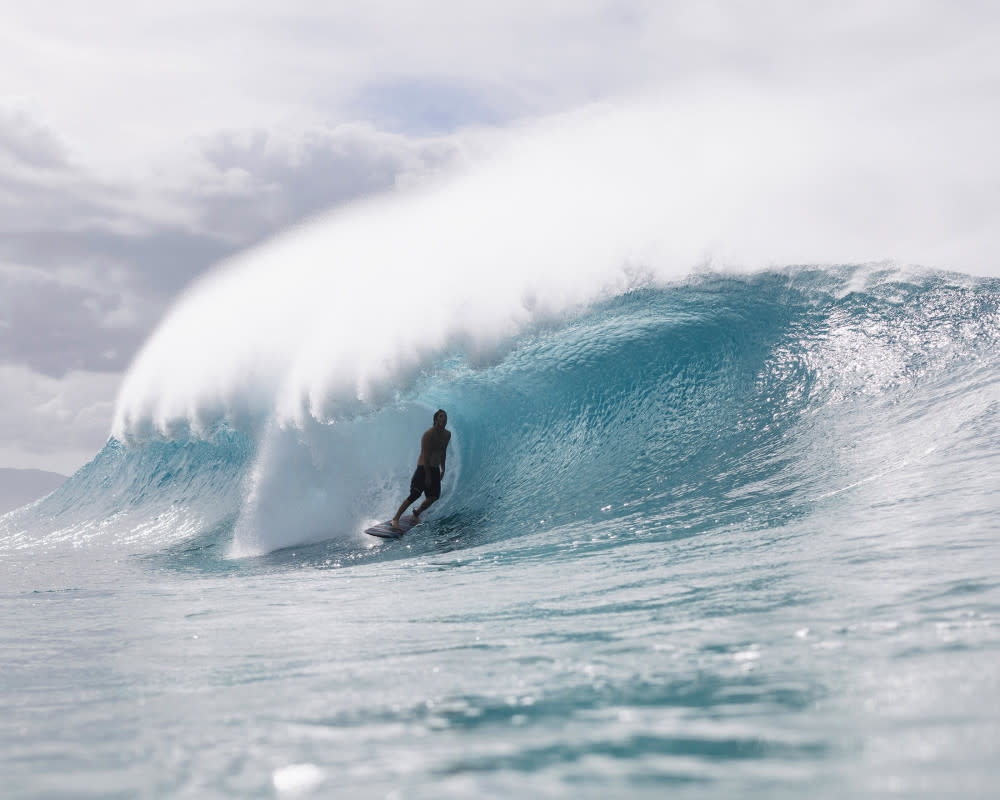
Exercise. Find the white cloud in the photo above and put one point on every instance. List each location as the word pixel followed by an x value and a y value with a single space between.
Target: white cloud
pixel 150 76
pixel 150 79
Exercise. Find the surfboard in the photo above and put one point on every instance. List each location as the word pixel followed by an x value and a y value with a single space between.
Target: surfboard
pixel 384 530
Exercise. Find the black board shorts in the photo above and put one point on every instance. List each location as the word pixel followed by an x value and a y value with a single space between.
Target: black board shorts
pixel 426 481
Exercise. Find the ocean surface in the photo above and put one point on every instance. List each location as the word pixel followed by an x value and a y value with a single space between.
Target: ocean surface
pixel 721 536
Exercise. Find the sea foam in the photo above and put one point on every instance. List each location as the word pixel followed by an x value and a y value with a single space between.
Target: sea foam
pixel 340 316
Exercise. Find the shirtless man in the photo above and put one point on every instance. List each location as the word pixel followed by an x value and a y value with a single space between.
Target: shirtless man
pixel 430 467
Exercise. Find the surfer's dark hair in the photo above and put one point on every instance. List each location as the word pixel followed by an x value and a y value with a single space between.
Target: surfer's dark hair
pixel 438 412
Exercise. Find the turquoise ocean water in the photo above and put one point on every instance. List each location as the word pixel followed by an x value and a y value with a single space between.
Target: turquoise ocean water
pixel 735 536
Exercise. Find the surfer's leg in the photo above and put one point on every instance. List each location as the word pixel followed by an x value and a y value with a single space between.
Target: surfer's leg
pixel 428 502
pixel 416 489
pixel 433 475
pixel 399 512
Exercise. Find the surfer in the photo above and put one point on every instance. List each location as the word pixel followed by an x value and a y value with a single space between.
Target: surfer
pixel 430 467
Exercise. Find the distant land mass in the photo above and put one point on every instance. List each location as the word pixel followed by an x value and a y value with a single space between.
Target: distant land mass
pixel 20 486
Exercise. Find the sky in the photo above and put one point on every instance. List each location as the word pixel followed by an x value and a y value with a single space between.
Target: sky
pixel 142 143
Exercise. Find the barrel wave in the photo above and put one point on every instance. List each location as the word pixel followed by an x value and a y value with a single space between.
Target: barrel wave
pixel 712 402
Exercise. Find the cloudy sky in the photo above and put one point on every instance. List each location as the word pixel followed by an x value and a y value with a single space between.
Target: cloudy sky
pixel 141 143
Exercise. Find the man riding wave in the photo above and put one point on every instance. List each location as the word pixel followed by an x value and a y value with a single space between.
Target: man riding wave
pixel 427 476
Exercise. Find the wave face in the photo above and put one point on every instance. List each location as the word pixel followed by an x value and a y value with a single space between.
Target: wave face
pixel 717 401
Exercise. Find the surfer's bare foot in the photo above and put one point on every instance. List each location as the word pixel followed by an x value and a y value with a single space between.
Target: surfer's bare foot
pixel 416 516
pixel 394 524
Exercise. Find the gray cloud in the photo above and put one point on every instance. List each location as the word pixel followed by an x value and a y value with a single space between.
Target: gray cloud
pixel 426 107
pixel 53 424
pixel 86 281
pixel 55 327
pixel 28 142
pixel 261 182
pixel 158 262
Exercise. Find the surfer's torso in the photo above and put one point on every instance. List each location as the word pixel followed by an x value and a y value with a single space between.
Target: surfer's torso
pixel 433 445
